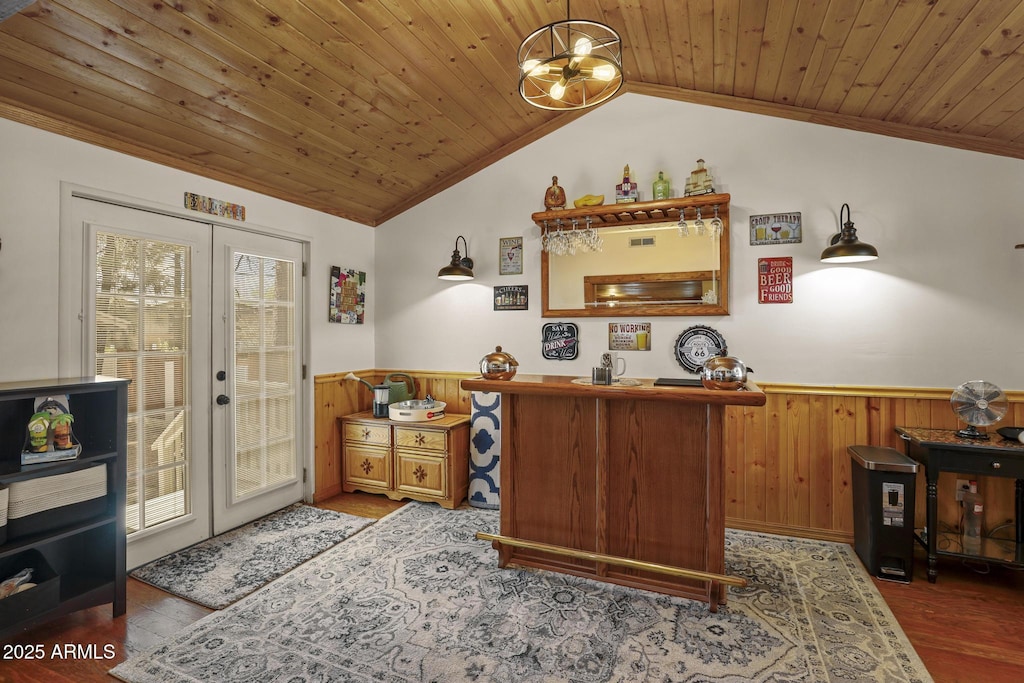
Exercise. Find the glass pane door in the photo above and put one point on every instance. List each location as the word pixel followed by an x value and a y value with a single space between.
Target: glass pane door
pixel 265 358
pixel 257 403
pixel 143 309
pixel 137 299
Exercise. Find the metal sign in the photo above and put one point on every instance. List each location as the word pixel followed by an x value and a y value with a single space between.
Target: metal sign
pixel 776 228
pixel 775 280
pixel 512 298
pixel 560 341
pixel 629 336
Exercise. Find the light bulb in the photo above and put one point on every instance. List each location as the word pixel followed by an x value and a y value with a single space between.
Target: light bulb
pixel 557 90
pixel 604 72
pixel 582 47
pixel 530 64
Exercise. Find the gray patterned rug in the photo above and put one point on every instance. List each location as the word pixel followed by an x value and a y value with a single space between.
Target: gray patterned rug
pixel 417 598
pixel 220 570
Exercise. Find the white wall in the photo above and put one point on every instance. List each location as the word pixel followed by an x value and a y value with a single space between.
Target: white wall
pixel 33 163
pixel 939 307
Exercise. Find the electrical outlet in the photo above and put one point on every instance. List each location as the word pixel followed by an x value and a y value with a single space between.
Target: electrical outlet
pixel 962 485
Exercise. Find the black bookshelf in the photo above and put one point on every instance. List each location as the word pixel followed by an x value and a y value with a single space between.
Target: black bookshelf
pixel 86 555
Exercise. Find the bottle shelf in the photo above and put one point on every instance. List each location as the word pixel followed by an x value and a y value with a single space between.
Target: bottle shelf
pixel 633 213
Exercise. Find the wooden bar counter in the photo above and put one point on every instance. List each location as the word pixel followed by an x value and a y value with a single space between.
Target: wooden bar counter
pixel 626 482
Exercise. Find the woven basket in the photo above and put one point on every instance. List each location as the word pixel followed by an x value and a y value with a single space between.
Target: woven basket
pixel 46 503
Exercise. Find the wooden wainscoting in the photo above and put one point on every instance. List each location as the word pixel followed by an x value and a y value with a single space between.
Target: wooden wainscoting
pixel 788 469
pixel 334 397
pixel 787 466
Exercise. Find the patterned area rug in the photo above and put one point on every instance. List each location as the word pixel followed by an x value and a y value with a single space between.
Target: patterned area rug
pixel 220 570
pixel 417 598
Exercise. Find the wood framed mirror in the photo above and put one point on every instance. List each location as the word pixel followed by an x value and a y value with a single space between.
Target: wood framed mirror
pixel 646 264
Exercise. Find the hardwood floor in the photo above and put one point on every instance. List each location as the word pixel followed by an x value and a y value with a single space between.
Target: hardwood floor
pixel 967 627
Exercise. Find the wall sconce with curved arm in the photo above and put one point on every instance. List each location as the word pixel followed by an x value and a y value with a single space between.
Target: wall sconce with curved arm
pixel 460 268
pixel 846 248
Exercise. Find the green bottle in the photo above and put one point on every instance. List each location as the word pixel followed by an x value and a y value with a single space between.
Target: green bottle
pixel 661 186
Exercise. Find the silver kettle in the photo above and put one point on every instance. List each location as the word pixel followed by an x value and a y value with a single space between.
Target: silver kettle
pixel 724 372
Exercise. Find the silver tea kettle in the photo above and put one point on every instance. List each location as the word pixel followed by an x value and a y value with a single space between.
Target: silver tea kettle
pixel 724 372
pixel 498 365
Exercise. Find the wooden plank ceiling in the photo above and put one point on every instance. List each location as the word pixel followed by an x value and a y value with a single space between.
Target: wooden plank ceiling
pixel 363 109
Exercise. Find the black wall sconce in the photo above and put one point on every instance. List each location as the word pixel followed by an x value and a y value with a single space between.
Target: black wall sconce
pixel 460 268
pixel 846 248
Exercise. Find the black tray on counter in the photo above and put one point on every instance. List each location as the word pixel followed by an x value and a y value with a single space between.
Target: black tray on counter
pixel 678 382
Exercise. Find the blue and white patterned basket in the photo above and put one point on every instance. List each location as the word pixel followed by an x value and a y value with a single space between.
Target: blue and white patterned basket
pixel 485 450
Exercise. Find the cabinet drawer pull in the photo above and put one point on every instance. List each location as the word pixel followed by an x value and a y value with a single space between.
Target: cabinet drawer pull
pixel 996 465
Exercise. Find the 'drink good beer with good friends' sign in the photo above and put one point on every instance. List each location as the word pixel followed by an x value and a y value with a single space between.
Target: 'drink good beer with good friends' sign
pixel 775 280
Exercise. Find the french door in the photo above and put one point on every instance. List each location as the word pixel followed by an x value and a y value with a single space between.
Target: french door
pixel 257 364
pixel 206 323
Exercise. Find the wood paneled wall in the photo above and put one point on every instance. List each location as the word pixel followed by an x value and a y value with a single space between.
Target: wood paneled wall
pixel 788 469
pixel 787 466
pixel 334 397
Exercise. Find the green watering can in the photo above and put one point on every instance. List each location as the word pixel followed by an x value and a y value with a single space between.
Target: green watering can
pixel 404 390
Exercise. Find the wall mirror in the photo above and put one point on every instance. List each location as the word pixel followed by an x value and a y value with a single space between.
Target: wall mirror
pixel 636 259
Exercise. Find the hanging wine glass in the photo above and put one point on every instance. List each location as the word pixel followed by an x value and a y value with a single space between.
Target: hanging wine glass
pixel 699 223
pixel 684 231
pixel 716 224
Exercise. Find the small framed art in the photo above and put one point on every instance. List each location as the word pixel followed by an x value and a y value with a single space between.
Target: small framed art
pixel 347 296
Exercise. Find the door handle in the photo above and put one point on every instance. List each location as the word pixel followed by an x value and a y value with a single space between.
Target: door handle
pixel 223 400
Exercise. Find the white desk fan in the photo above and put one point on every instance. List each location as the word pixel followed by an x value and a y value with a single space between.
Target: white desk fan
pixel 979 404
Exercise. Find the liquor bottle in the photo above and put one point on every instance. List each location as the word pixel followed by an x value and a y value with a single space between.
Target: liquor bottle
pixel 626 192
pixel 973 509
pixel 661 187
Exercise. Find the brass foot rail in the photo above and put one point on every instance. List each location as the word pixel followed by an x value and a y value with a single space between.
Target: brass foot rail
pixel 612 559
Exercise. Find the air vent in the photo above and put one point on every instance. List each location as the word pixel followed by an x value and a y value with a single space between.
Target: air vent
pixel 641 241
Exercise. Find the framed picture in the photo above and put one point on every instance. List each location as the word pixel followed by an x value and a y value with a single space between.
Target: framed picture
pixel 347 296
pixel 510 257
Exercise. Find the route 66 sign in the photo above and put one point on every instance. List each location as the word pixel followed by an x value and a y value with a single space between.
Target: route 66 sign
pixel 696 344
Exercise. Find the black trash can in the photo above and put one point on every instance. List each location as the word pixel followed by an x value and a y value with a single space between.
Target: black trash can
pixel 884 481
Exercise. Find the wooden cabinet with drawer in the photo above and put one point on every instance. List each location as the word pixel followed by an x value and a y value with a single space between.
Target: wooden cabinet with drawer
pixel 426 461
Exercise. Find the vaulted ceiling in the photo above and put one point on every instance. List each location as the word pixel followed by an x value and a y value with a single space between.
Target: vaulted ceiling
pixel 364 108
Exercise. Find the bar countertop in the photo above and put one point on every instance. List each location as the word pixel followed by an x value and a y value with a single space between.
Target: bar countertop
pixel 643 389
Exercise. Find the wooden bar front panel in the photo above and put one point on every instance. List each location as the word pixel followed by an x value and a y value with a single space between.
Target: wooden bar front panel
pixel 630 474
pixel 548 474
pixel 663 450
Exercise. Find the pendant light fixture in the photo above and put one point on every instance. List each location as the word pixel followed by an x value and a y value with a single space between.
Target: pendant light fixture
pixel 460 268
pixel 846 248
pixel 571 64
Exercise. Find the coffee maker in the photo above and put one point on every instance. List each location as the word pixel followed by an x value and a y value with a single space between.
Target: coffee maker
pixel 381 394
